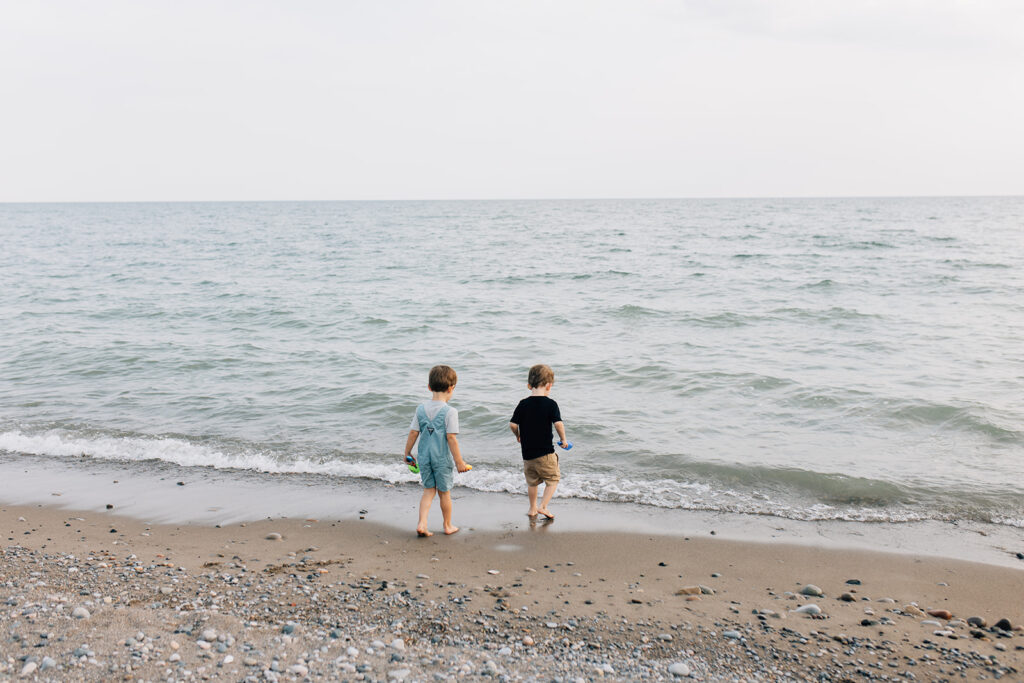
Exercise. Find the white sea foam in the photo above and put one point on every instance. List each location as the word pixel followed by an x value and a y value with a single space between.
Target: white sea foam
pixel 592 486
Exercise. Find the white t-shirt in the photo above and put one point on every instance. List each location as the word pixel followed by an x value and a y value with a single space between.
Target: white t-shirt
pixel 451 420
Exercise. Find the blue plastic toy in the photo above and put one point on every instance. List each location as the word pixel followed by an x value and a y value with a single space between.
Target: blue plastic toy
pixel 413 465
pixel 566 446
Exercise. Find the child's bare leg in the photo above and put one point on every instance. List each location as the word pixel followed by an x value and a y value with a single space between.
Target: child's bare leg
pixel 446 511
pixel 532 492
pixel 549 493
pixel 425 501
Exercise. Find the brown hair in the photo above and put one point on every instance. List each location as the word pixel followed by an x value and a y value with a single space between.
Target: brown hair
pixel 442 378
pixel 540 375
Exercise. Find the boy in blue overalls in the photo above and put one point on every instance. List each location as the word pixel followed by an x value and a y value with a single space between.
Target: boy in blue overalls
pixel 436 425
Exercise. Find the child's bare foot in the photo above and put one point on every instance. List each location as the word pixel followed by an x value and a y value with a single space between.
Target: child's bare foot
pixel 544 511
pixel 449 530
pixel 423 533
pixel 532 513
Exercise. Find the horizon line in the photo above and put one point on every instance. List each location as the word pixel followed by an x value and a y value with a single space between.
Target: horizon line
pixel 513 199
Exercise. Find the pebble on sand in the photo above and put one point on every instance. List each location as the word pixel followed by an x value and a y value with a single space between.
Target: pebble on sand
pixel 679 669
pixel 812 590
pixel 80 613
pixel 274 536
pixel 941 613
pixel 809 608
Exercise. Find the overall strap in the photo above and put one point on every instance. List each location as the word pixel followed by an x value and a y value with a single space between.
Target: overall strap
pixel 438 420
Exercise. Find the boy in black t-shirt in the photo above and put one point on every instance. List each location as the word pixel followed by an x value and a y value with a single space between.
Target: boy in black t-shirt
pixel 531 423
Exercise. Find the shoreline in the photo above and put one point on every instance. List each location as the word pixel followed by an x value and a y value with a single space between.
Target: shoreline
pixel 212 496
pixel 239 576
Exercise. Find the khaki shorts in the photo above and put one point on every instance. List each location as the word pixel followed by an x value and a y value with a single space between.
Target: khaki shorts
pixel 542 469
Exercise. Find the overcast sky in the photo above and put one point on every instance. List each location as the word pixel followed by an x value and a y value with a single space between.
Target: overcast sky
pixel 109 101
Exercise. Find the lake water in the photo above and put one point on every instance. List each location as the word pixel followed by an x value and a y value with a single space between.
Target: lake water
pixel 857 359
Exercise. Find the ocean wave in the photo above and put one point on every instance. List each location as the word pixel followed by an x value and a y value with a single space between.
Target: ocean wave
pixel 947 416
pixel 825 315
pixel 788 493
pixel 636 311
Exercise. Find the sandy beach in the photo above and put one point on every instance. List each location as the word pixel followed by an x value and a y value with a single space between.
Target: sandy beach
pixel 91 593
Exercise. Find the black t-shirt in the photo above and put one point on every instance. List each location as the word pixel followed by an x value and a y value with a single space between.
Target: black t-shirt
pixel 535 415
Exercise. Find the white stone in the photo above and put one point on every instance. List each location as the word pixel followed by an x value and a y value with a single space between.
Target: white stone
pixel 679 669
pixel 80 613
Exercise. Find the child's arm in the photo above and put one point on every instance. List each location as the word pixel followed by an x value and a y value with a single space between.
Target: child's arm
pixel 453 446
pixel 560 428
pixel 411 441
pixel 515 430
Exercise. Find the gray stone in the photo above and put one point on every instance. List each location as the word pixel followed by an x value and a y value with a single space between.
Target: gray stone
pixel 812 590
pixel 399 674
pixel 679 669
pixel 809 608
pixel 731 634
pixel 80 613
pixel 398 644
pixel 48 663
